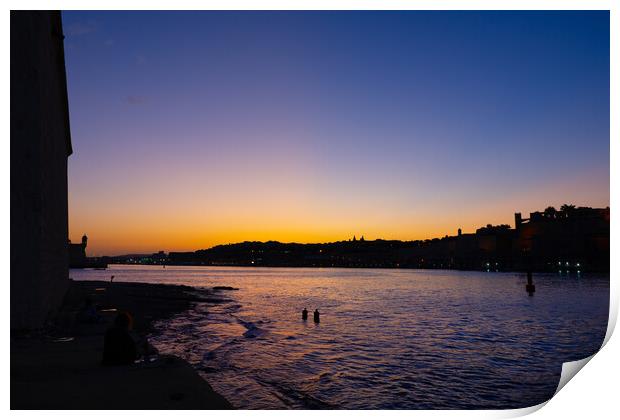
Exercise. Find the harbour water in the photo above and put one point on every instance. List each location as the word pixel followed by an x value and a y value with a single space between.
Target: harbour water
pixel 388 339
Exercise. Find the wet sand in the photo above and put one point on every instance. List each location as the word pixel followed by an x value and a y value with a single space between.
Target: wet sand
pixel 60 368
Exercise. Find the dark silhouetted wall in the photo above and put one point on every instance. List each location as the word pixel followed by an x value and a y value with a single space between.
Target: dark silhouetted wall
pixel 40 145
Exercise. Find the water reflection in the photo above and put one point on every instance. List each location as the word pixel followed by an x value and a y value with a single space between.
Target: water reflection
pixel 387 338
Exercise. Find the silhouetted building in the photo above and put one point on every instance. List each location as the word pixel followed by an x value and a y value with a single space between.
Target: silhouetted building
pixel 495 246
pixel 40 145
pixel 579 237
pixel 518 221
pixel 77 253
pixel 570 238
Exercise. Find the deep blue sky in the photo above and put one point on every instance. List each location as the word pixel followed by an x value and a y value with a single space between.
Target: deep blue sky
pixel 314 125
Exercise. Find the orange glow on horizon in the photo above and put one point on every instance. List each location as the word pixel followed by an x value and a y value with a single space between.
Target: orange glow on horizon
pixel 144 226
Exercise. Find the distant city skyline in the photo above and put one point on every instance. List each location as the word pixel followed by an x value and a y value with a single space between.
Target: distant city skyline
pixel 354 237
pixel 192 129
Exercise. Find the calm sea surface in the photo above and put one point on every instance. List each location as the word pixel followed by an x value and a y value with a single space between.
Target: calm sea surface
pixel 388 339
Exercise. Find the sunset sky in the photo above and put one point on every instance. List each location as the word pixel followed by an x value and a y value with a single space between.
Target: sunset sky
pixel 192 129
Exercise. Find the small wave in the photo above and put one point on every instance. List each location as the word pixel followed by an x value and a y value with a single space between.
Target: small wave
pixel 295 398
pixel 231 308
pixel 252 331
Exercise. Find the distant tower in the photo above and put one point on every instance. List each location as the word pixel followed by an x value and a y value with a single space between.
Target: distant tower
pixel 362 238
pixel 460 232
pixel 518 221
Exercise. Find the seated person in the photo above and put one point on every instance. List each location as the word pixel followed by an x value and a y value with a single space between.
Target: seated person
pixel 88 313
pixel 119 347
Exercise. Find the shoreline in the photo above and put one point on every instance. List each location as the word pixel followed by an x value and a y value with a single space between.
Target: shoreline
pixel 60 367
pixel 352 268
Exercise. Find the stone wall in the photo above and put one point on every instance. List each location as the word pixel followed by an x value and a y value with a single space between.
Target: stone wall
pixel 40 145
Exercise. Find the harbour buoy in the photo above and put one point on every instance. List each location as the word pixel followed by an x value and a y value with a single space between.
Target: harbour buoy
pixel 529 287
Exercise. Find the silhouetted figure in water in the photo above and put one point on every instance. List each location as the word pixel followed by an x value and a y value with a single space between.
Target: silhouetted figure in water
pixel 304 314
pixel 111 279
pixel 317 316
pixel 118 346
pixel 529 287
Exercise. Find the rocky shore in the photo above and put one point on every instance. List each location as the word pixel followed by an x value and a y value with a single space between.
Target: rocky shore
pixel 60 367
